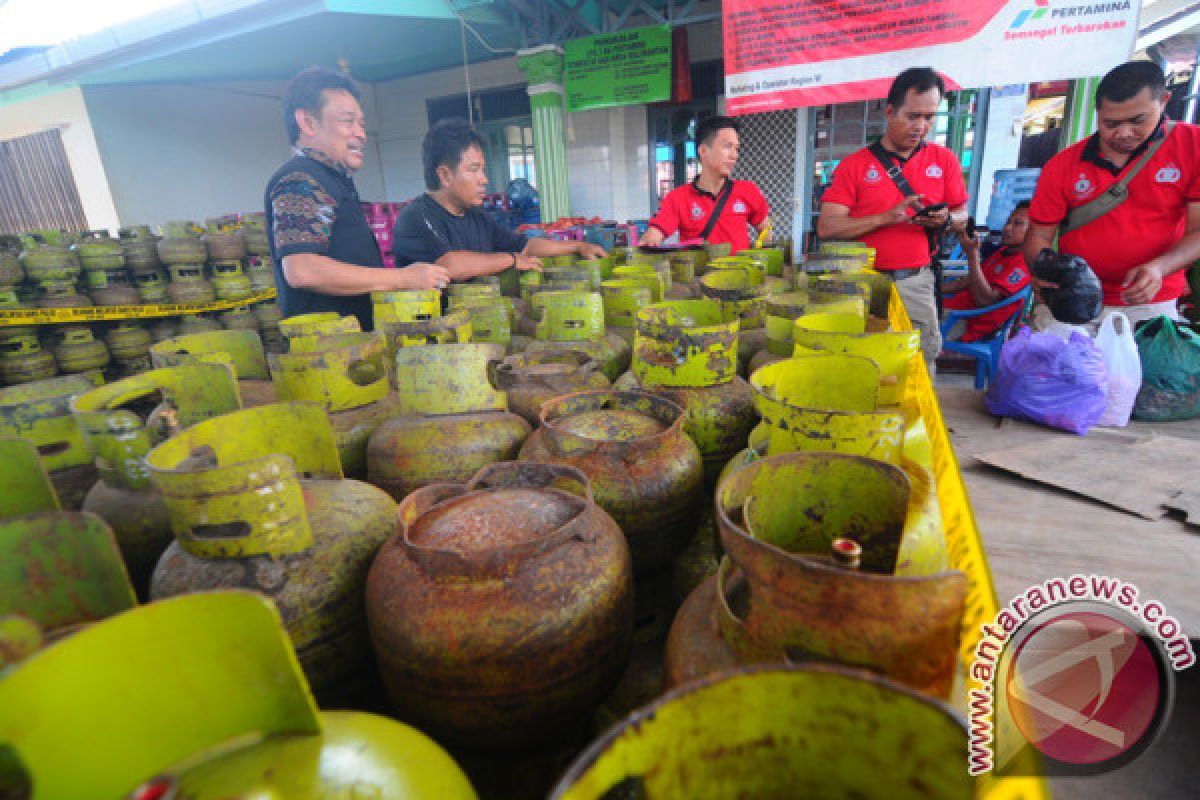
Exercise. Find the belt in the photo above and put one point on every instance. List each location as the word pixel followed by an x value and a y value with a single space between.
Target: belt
pixel 901 274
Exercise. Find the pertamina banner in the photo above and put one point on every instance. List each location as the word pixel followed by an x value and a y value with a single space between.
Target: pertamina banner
pixel 791 53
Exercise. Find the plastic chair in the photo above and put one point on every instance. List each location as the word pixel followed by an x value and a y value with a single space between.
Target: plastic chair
pixel 986 352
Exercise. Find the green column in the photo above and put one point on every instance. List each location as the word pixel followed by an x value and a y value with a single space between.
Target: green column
pixel 543 68
pixel 1080 119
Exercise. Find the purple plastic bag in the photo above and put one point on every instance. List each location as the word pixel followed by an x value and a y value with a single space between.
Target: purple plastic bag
pixel 1044 379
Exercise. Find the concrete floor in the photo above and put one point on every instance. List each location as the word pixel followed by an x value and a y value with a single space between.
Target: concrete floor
pixel 1170 769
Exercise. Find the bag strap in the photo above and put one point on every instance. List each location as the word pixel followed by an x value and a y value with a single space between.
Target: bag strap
pixel 722 198
pixel 895 171
pixel 1116 194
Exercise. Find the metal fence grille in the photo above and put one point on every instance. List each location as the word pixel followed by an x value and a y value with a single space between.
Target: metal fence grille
pixel 768 157
pixel 37 189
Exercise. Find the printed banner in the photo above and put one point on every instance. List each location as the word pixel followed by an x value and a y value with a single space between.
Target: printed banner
pixel 619 69
pixel 792 53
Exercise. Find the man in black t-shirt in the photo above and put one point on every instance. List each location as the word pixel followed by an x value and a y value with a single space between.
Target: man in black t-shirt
pixel 446 225
pixel 326 258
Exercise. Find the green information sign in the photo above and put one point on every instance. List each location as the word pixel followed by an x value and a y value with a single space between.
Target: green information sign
pixel 619 69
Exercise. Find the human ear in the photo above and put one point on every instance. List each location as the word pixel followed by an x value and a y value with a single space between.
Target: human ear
pixel 305 121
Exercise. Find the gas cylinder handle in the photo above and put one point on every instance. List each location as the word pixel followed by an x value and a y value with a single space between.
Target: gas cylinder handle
pixel 365 371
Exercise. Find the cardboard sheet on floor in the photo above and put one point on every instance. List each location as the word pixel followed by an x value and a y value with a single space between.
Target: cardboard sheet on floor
pixel 1187 501
pixel 1143 476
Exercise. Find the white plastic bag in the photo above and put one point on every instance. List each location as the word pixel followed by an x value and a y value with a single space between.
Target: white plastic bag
pixel 1115 341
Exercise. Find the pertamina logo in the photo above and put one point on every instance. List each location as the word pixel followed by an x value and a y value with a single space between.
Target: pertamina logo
pixel 1042 7
pixel 872 175
pixel 697 211
pixel 933 171
pixel 1044 20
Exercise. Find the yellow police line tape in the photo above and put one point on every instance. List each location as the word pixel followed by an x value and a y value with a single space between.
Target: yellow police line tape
pixel 60 316
pixel 966 552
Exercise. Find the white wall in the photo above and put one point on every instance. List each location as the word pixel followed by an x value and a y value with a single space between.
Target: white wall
pixel 402 119
pixel 65 110
pixel 163 152
pixel 195 151
pixel 607 149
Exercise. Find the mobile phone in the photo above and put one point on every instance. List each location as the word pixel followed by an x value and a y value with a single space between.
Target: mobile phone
pixel 927 210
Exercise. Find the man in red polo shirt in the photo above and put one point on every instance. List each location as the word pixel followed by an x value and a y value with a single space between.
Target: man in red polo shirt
pixel 864 202
pixel 1000 276
pixel 687 209
pixel 1141 249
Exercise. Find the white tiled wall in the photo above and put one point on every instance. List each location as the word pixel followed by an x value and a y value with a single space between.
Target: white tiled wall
pixel 607 155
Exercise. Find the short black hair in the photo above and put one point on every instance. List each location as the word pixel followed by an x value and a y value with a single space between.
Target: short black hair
pixel 918 79
pixel 1128 80
pixel 707 130
pixel 306 91
pixel 444 145
pixel 1021 206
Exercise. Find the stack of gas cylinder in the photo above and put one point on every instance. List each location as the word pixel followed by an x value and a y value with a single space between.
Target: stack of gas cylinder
pixel 227 260
pixel 539 510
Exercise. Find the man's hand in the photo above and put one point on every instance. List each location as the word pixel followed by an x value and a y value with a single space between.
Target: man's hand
pixel 934 219
pixel 653 237
pixel 525 263
pixel 970 244
pixel 1141 284
pixel 423 276
pixel 589 251
pixel 894 216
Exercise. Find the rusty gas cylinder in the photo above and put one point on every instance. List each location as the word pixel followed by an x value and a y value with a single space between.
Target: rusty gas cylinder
pixel 452 421
pixel 119 434
pixel 779 594
pixel 531 379
pixel 241 351
pixel 644 469
pixel 574 320
pixel 40 412
pixel 345 374
pixel 687 352
pixel 257 501
pixel 502 611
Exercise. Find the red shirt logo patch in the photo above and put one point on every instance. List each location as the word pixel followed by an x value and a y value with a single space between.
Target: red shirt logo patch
pixel 1083 186
pixel 697 211
pixel 740 208
pixel 933 171
pixel 872 175
pixel 1169 174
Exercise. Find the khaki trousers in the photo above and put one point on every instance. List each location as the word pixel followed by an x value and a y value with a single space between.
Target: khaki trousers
pixel 917 294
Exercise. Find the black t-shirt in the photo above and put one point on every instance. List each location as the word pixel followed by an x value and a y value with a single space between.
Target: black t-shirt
pixel 425 231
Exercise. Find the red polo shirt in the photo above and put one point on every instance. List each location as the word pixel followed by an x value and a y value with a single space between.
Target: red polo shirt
pixel 861 184
pixel 1150 222
pixel 1007 273
pixel 687 208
